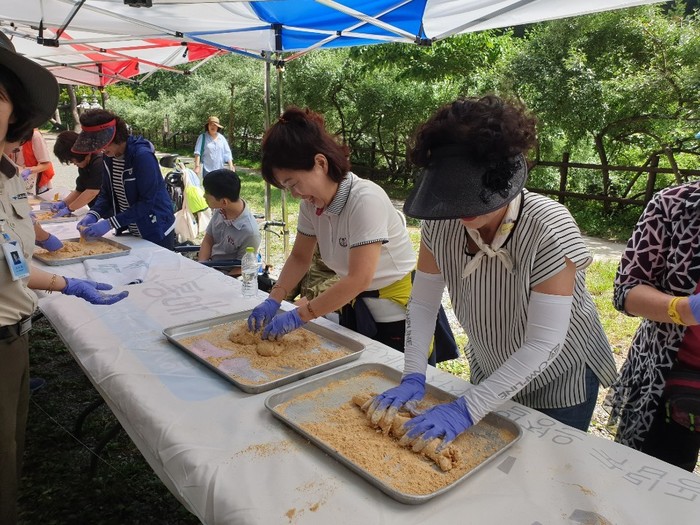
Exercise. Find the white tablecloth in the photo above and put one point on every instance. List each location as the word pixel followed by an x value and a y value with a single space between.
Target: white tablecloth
pixel 229 461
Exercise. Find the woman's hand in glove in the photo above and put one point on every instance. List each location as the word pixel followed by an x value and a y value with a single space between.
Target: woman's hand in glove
pixel 445 421
pixel 63 212
pixel 58 206
pixel 384 407
pixel 262 314
pixel 98 229
pixel 282 324
pixel 86 221
pixel 52 243
pixel 91 291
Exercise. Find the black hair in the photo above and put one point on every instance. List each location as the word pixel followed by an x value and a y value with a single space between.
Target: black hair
pixel 294 141
pixel 95 117
pixel 223 184
pixel 62 148
pixel 23 109
pixel 489 129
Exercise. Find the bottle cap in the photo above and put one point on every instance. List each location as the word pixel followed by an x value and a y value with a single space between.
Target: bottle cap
pixel 250 249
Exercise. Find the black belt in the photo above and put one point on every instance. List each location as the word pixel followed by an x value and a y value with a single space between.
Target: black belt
pixel 17 329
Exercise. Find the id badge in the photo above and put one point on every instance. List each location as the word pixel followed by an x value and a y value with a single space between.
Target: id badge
pixel 15 260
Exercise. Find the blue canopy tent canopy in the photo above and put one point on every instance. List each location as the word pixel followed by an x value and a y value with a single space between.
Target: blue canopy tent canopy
pixel 274 31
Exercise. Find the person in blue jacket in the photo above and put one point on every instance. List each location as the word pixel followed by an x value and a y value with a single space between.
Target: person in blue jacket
pixel 133 198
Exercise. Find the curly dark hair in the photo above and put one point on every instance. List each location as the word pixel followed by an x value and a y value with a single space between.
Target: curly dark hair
pixel 488 129
pixel 95 117
pixel 62 148
pixel 295 139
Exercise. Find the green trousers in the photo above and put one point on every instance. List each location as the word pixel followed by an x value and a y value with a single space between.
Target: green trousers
pixel 14 406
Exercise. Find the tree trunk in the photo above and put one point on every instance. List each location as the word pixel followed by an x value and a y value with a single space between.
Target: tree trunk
pixel 73 107
pixel 674 165
pixel 603 156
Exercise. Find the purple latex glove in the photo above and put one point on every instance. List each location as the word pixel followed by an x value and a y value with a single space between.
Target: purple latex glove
pixel 445 421
pixel 91 291
pixel 262 314
pixel 86 221
pixel 694 302
pixel 384 407
pixel 282 324
pixel 98 229
pixel 58 206
pixel 63 212
pixel 51 244
pixel 26 173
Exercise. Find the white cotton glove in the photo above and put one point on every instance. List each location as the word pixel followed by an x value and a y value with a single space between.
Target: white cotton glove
pixel 421 316
pixel 548 319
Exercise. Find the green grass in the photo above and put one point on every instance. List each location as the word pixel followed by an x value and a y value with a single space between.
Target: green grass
pixel 619 327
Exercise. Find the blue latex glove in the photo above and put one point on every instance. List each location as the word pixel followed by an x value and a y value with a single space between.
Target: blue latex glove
pixel 262 314
pixel 98 229
pixel 58 206
pixel 86 221
pixel 282 324
pixel 445 421
pixel 384 407
pixel 26 173
pixel 92 291
pixel 63 212
pixel 51 244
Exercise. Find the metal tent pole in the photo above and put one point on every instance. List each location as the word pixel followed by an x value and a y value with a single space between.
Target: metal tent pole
pixel 268 193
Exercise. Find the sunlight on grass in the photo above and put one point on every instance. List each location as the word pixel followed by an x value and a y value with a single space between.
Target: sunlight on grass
pixel 619 327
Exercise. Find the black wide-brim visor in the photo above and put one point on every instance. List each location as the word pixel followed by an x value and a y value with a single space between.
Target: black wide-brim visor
pixel 452 187
pixel 95 138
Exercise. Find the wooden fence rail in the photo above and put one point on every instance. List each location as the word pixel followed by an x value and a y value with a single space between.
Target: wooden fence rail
pixel 367 163
pixel 564 165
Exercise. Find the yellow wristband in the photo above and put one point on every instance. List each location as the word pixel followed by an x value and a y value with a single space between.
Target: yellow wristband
pixel 673 313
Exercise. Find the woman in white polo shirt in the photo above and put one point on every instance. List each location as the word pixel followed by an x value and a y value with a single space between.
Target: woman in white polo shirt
pixel 360 235
pixel 513 262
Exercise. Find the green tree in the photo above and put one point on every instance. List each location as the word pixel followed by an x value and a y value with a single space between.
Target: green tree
pixel 620 85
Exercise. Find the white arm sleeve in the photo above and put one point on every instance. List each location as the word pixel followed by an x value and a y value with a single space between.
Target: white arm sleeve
pixel 421 315
pixel 547 324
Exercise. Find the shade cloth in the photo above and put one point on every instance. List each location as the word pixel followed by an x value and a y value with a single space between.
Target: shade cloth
pixel 106 41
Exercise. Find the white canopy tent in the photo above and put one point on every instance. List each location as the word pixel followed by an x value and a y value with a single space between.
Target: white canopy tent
pixel 98 42
pixel 104 30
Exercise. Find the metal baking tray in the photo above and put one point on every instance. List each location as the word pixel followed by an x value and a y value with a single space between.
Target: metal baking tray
pixel 56 220
pixel 123 250
pixel 253 379
pixel 306 403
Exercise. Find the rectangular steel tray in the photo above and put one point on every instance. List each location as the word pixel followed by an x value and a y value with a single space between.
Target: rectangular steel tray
pixel 67 218
pixel 336 389
pixel 125 250
pixel 248 380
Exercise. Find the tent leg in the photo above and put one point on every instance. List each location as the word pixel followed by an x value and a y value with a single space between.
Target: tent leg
pixel 268 193
pixel 285 228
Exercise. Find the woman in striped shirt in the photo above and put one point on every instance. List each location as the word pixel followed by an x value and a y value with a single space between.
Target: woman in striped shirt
pixel 513 262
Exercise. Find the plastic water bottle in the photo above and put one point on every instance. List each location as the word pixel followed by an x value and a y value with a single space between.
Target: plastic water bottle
pixel 249 273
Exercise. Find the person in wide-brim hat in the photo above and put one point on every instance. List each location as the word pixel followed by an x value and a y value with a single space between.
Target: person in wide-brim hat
pixel 513 264
pixel 212 150
pixel 28 97
pixel 40 84
pixel 213 120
